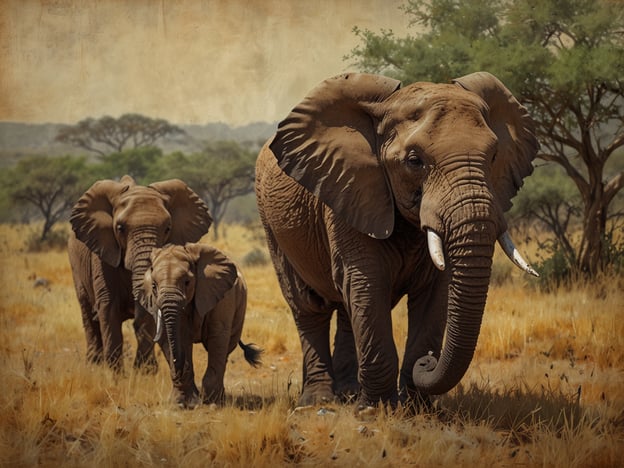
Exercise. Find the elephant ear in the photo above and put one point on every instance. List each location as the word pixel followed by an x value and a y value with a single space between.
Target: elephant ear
pixel 92 218
pixel 215 275
pixel 190 217
pixel 328 143
pixel 514 128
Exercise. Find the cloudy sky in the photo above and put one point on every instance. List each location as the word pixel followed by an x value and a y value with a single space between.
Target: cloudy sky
pixel 188 61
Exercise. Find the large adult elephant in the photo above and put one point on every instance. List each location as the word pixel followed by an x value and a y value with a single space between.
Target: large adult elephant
pixel 115 227
pixel 364 177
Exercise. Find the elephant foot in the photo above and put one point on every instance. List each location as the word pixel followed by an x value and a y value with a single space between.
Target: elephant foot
pixel 364 401
pixel 95 353
pixel 186 399
pixel 189 403
pixel 116 364
pixel 347 391
pixel 214 396
pixel 415 402
pixel 319 394
pixel 147 364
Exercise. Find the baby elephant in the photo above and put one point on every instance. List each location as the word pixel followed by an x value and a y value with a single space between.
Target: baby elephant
pixel 196 294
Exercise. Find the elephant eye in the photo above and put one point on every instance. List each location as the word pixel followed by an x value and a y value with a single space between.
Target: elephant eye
pixel 415 162
pixel 120 227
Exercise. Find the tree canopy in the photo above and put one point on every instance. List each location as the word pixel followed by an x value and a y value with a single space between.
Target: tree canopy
pixel 107 134
pixel 136 162
pixel 222 171
pixel 50 185
pixel 563 59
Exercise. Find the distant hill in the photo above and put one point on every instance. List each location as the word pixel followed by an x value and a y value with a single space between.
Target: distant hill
pixel 18 140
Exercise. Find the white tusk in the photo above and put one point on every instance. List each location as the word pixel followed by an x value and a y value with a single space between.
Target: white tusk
pixel 436 251
pixel 510 250
pixel 159 327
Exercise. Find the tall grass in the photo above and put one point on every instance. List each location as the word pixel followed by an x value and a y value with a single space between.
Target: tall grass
pixel 546 386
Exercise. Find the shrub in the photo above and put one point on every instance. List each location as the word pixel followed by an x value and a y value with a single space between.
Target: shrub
pixel 256 257
pixel 557 268
pixel 55 240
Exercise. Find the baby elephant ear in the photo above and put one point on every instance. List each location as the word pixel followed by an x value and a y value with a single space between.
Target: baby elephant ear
pixel 515 130
pixel 215 275
pixel 329 144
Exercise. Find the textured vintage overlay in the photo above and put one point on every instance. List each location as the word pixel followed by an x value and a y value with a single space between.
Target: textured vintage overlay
pixel 192 61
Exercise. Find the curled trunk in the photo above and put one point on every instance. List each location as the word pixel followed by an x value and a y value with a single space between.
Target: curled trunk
pixel 469 254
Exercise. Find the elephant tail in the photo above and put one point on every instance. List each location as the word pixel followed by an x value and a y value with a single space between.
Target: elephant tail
pixel 252 353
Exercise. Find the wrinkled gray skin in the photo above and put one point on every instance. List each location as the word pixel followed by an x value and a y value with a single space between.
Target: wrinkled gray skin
pixel 115 226
pixel 348 187
pixel 198 296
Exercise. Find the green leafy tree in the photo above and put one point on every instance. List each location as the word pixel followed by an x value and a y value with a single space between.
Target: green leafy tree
pixel 564 59
pixel 50 185
pixel 107 134
pixel 555 203
pixel 136 162
pixel 222 171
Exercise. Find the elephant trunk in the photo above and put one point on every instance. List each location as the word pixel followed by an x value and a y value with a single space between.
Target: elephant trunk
pixel 172 308
pixel 469 250
pixel 138 257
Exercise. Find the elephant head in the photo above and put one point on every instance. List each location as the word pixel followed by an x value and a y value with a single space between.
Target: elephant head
pixel 446 157
pixel 182 286
pixel 122 222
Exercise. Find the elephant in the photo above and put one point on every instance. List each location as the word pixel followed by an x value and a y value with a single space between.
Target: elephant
pixel 369 192
pixel 197 295
pixel 115 226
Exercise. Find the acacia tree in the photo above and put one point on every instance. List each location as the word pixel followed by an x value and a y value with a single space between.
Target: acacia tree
pixel 107 134
pixel 138 163
pixel 222 171
pixel 564 59
pixel 50 185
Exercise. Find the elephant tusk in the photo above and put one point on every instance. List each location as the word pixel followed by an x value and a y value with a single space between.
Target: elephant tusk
pixel 510 250
pixel 436 251
pixel 159 326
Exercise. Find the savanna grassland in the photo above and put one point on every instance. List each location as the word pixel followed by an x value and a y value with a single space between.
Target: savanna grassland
pixel 546 386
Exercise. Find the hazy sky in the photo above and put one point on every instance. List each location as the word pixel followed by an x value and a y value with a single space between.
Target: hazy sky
pixel 188 61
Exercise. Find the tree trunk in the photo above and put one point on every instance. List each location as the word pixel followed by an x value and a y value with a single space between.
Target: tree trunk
pixel 594 228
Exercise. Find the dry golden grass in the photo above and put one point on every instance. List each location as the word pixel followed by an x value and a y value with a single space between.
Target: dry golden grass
pixel 546 387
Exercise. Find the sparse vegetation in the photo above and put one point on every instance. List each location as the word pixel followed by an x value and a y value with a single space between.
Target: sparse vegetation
pixel 545 387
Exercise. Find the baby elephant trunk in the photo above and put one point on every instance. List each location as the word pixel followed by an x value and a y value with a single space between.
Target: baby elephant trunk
pixel 170 317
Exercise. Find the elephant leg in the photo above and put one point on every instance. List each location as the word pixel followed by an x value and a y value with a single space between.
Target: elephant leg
pixel 426 325
pixel 217 345
pixel 91 325
pixel 144 329
pixel 318 379
pixel 112 339
pixel 344 358
pixel 378 360
pixel 312 315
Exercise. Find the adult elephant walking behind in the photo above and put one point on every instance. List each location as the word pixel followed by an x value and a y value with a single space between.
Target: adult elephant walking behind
pixel 362 179
pixel 115 227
